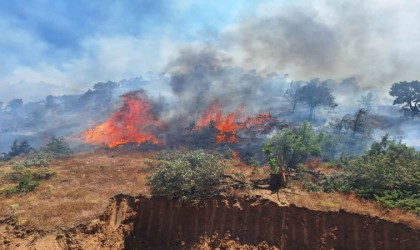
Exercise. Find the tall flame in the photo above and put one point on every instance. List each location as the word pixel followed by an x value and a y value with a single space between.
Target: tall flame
pixel 133 123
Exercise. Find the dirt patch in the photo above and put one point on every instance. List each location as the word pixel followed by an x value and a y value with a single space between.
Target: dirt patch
pixel 158 223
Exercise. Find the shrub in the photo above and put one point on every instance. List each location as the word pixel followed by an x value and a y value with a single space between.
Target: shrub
pixel 188 176
pixel 43 174
pixel 38 159
pixel 169 155
pixel 26 184
pixel 389 172
pixel 22 148
pixel 401 199
pixel 293 146
pixel 5 157
pixel 17 173
pixel 57 148
pixel 387 166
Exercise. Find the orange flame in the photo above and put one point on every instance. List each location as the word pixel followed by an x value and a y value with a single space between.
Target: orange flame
pixel 133 123
pixel 229 125
pixel 235 154
pixel 259 122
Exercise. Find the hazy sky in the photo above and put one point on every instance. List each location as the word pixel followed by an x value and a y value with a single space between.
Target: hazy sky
pixel 58 47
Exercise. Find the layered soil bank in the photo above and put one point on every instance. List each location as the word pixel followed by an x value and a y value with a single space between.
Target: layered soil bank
pixel 159 223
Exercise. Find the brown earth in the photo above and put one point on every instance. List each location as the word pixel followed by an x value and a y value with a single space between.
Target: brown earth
pixel 222 222
pixel 67 212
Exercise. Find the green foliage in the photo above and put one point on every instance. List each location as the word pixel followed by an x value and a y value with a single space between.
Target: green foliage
pixel 188 176
pixel 407 94
pixel 334 182
pixel 27 177
pixel 38 159
pixel 57 148
pixel 43 174
pixel 400 199
pixel 316 94
pixel 22 148
pixel 169 155
pixel 26 184
pixel 388 165
pixel 388 172
pixel 17 173
pixel 293 146
pixel 312 186
pixel 5 157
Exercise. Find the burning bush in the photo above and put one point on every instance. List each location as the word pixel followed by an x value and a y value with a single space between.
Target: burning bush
pixel 133 123
pixel 188 176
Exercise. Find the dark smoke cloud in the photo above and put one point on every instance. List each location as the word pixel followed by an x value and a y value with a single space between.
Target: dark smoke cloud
pixel 201 76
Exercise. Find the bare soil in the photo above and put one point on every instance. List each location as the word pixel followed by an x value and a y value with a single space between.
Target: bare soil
pixel 221 222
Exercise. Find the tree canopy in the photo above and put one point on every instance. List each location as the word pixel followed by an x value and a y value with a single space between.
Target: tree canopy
pixel 293 146
pixel 316 94
pixel 407 94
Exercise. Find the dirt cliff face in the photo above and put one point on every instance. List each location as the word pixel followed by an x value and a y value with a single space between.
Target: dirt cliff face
pixel 139 222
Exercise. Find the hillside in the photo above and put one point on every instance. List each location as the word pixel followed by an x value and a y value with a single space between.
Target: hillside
pixel 76 205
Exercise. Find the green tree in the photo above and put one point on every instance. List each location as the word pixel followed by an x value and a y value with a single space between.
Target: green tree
pixel 407 94
pixel 316 94
pixel 22 148
pixel 291 147
pixel 57 148
pixel 292 94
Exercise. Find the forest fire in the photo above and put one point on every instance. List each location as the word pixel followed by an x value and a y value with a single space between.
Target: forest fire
pixel 229 125
pixel 133 123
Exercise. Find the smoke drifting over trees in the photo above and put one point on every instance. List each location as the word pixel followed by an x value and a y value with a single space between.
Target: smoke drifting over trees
pixel 193 81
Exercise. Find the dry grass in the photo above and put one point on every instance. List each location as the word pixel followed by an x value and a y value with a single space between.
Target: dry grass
pixel 81 190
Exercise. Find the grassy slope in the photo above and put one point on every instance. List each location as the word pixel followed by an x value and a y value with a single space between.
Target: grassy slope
pixel 80 191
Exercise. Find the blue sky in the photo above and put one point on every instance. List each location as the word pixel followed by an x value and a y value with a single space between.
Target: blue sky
pixel 64 47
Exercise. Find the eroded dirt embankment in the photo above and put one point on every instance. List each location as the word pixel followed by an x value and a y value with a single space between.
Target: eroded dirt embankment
pixel 134 222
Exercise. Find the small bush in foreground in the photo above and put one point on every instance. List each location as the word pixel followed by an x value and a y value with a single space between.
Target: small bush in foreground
pixel 26 184
pixel 188 176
